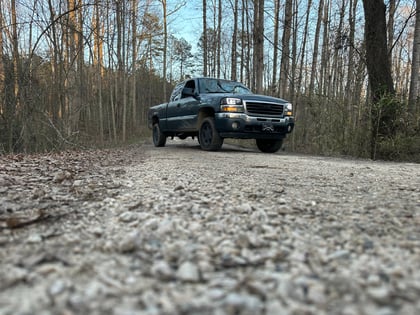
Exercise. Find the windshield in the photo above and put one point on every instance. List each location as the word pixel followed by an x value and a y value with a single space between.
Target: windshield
pixel 222 86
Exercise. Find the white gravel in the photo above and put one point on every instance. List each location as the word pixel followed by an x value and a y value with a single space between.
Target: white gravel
pixel 177 230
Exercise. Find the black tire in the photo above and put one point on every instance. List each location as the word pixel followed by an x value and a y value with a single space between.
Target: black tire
pixel 269 145
pixel 208 137
pixel 159 138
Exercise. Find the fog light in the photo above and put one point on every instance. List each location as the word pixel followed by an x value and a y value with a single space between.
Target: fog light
pixel 235 125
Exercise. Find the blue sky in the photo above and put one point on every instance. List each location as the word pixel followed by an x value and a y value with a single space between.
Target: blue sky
pixel 187 22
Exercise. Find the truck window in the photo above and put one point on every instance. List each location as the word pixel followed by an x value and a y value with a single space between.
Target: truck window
pixel 189 85
pixel 176 94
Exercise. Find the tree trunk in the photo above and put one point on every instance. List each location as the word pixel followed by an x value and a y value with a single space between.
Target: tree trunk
pixel 276 45
pixel 81 86
pixel 120 12
pixel 316 48
pixel 294 57
pixel 379 70
pixel 390 27
pixel 349 93
pixel 219 39
pixel 325 77
pixel 205 48
pixel 98 62
pixel 258 45
pixel 165 47
pixel 303 50
pixel 72 100
pixel 414 96
pixel 337 64
pixel 377 61
pixel 2 71
pixel 285 45
pixel 134 4
pixel 234 42
pixel 15 105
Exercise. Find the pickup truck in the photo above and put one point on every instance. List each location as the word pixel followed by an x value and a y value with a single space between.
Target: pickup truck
pixel 214 109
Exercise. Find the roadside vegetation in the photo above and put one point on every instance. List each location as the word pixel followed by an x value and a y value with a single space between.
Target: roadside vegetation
pixel 83 73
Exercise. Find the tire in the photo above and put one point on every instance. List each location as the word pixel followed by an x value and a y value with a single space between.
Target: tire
pixel 269 145
pixel 159 138
pixel 208 137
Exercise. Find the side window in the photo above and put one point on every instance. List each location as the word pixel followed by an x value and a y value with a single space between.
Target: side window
pixel 190 85
pixel 176 94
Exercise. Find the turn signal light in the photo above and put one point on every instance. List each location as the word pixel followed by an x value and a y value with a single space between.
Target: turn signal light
pixel 232 108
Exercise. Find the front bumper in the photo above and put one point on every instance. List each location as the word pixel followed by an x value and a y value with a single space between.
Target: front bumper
pixel 243 126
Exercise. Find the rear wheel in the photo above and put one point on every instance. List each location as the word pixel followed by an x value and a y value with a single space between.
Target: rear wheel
pixel 208 136
pixel 269 145
pixel 159 138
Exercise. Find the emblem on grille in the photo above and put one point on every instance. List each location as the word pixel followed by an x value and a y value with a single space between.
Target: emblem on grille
pixel 267 128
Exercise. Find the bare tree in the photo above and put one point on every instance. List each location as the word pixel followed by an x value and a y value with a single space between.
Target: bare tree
pixel 377 60
pixel 205 53
pixel 15 104
pixel 3 104
pixel 165 46
pixel 285 45
pixel 275 44
pixel 390 26
pixel 234 41
pixel 414 96
pixel 219 37
pixel 2 70
pixel 316 48
pixel 379 69
pixel 258 45
pixel 134 4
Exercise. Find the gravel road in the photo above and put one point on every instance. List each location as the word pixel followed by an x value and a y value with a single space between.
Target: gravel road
pixel 176 230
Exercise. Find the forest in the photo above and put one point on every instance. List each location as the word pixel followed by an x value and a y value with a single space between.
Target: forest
pixel 83 73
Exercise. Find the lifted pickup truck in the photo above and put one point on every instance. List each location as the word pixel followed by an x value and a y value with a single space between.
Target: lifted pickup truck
pixel 213 109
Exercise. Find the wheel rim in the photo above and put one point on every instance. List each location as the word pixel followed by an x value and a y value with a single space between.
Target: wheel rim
pixel 155 134
pixel 206 134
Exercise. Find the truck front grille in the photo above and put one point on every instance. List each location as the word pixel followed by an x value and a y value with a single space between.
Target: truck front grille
pixel 264 109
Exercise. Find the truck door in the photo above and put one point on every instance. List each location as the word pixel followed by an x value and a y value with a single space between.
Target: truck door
pixel 172 109
pixel 183 110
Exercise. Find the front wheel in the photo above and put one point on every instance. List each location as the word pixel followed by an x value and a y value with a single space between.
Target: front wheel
pixel 269 145
pixel 208 137
pixel 159 138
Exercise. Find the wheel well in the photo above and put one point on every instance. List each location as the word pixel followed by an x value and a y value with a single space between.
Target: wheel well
pixel 155 120
pixel 204 113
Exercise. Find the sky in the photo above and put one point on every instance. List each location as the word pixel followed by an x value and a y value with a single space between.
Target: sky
pixel 187 22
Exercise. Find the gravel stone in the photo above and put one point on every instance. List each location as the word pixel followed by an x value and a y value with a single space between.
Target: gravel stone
pixel 188 272
pixel 176 230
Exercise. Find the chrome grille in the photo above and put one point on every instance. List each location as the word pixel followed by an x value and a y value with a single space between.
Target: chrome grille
pixel 264 109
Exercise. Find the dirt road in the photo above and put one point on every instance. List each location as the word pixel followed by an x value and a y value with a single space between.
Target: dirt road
pixel 176 230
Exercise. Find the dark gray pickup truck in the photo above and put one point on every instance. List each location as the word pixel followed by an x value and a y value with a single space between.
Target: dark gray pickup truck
pixel 213 109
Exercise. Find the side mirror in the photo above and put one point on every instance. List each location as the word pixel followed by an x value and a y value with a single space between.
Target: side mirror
pixel 189 92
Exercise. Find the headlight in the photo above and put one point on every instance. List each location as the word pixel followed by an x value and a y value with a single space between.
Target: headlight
pixel 231 101
pixel 232 105
pixel 288 109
